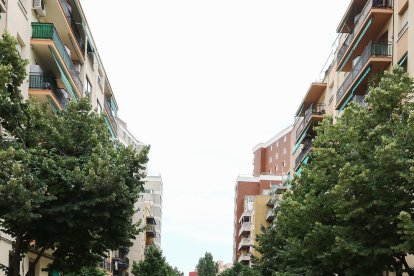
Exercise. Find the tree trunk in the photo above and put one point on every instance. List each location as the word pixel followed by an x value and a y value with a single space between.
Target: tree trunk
pixel 14 266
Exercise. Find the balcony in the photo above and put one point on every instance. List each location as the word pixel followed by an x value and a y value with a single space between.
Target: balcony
pixel 66 17
pixel 244 258
pixel 3 7
pixel 302 155
pixel 368 24
pixel 245 228
pixel 121 263
pixel 45 89
pixel 245 243
pixel 150 229
pixel 313 114
pixel 111 116
pixel 151 221
pixel 375 58
pixel 49 46
pixel 270 215
pixel 245 214
pixel 271 201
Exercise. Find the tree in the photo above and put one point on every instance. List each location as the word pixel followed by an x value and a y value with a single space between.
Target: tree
pixel 351 209
pixel 154 264
pixel 64 186
pixel 239 269
pixel 88 271
pixel 206 266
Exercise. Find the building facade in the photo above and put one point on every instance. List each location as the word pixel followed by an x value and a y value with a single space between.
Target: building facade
pixel 373 37
pixel 271 167
pixel 64 65
pixel 153 195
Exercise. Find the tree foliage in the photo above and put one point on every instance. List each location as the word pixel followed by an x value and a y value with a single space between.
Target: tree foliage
pixel 64 186
pixel 239 269
pixel 206 266
pixel 154 264
pixel 88 271
pixel 351 209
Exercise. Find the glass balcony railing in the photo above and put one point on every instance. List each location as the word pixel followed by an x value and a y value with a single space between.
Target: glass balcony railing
pixel 373 49
pixel 40 81
pixel 361 18
pixel 48 31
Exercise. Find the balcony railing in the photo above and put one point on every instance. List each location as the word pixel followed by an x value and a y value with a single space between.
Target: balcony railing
pixel 40 81
pixel 48 31
pixel 69 18
pixel 303 153
pixel 245 227
pixel 244 258
pixel 373 49
pixel 361 18
pixel 110 114
pixel 3 7
pixel 314 109
pixel 245 242
pixel 270 215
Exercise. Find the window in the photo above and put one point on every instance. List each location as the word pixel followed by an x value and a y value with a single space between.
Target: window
pixel 284 151
pixel 284 139
pixel 88 87
pixel 99 107
pixel 271 147
pixel 277 155
pixel 277 143
pixel 284 163
pixel 276 168
pixel 270 159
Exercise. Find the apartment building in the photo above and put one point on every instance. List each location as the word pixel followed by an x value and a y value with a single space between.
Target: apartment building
pixel 64 62
pixel 153 196
pixel 373 36
pixel 64 65
pixel 273 156
pixel 271 167
pixel 121 260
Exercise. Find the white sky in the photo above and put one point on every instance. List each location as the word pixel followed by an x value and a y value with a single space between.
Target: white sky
pixel 203 82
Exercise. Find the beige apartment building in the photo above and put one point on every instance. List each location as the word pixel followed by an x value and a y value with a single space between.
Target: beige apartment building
pixel 64 65
pixel 373 36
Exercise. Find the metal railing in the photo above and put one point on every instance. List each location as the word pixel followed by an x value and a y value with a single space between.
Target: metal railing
pixel 360 99
pixel 314 109
pixel 362 16
pixel 373 49
pixel 40 81
pixel 48 31
pixel 307 147
pixel 69 18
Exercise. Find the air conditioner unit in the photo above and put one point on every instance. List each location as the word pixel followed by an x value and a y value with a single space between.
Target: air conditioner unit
pixel 39 7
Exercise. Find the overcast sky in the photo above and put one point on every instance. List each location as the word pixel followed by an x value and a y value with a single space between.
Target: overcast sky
pixel 203 82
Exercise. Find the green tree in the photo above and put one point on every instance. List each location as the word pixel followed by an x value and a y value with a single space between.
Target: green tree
pixel 351 209
pixel 239 269
pixel 64 185
pixel 154 264
pixel 206 265
pixel 88 271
